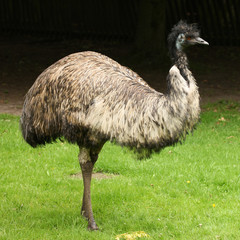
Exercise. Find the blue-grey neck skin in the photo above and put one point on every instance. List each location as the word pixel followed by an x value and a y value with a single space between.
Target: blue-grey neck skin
pixel 180 42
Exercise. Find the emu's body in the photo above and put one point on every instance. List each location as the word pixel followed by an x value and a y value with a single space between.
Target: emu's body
pixel 88 98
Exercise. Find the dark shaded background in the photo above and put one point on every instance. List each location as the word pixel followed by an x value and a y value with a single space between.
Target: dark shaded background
pixel 36 33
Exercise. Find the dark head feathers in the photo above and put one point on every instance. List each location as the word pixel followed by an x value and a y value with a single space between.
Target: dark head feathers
pixel 184 28
pixel 181 28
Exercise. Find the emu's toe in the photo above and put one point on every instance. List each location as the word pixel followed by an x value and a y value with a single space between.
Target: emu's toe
pixel 92 226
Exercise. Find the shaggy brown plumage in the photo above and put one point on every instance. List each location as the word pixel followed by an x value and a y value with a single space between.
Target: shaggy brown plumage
pixel 88 98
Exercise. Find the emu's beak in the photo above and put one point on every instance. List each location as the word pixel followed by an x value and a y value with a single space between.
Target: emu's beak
pixel 201 41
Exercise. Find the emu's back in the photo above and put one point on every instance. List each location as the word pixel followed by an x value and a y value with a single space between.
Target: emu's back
pixel 79 97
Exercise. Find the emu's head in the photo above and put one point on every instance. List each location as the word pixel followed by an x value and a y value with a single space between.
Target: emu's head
pixel 183 35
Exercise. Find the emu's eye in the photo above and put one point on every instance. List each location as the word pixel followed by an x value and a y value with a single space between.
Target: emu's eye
pixel 189 38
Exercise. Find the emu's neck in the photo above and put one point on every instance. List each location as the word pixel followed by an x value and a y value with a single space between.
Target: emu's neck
pixel 183 92
pixel 179 59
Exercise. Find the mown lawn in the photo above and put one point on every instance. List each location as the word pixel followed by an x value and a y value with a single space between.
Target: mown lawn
pixel 189 191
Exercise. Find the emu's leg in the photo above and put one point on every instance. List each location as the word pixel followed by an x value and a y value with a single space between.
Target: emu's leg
pixel 87 159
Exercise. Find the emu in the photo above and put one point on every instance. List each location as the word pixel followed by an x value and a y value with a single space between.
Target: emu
pixel 88 99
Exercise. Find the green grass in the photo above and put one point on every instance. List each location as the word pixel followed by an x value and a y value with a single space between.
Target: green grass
pixel 190 191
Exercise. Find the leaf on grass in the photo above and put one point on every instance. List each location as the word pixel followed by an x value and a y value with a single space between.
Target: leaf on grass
pixel 132 236
pixel 222 119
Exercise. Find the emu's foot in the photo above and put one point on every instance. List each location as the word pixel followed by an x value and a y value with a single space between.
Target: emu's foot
pixel 92 226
